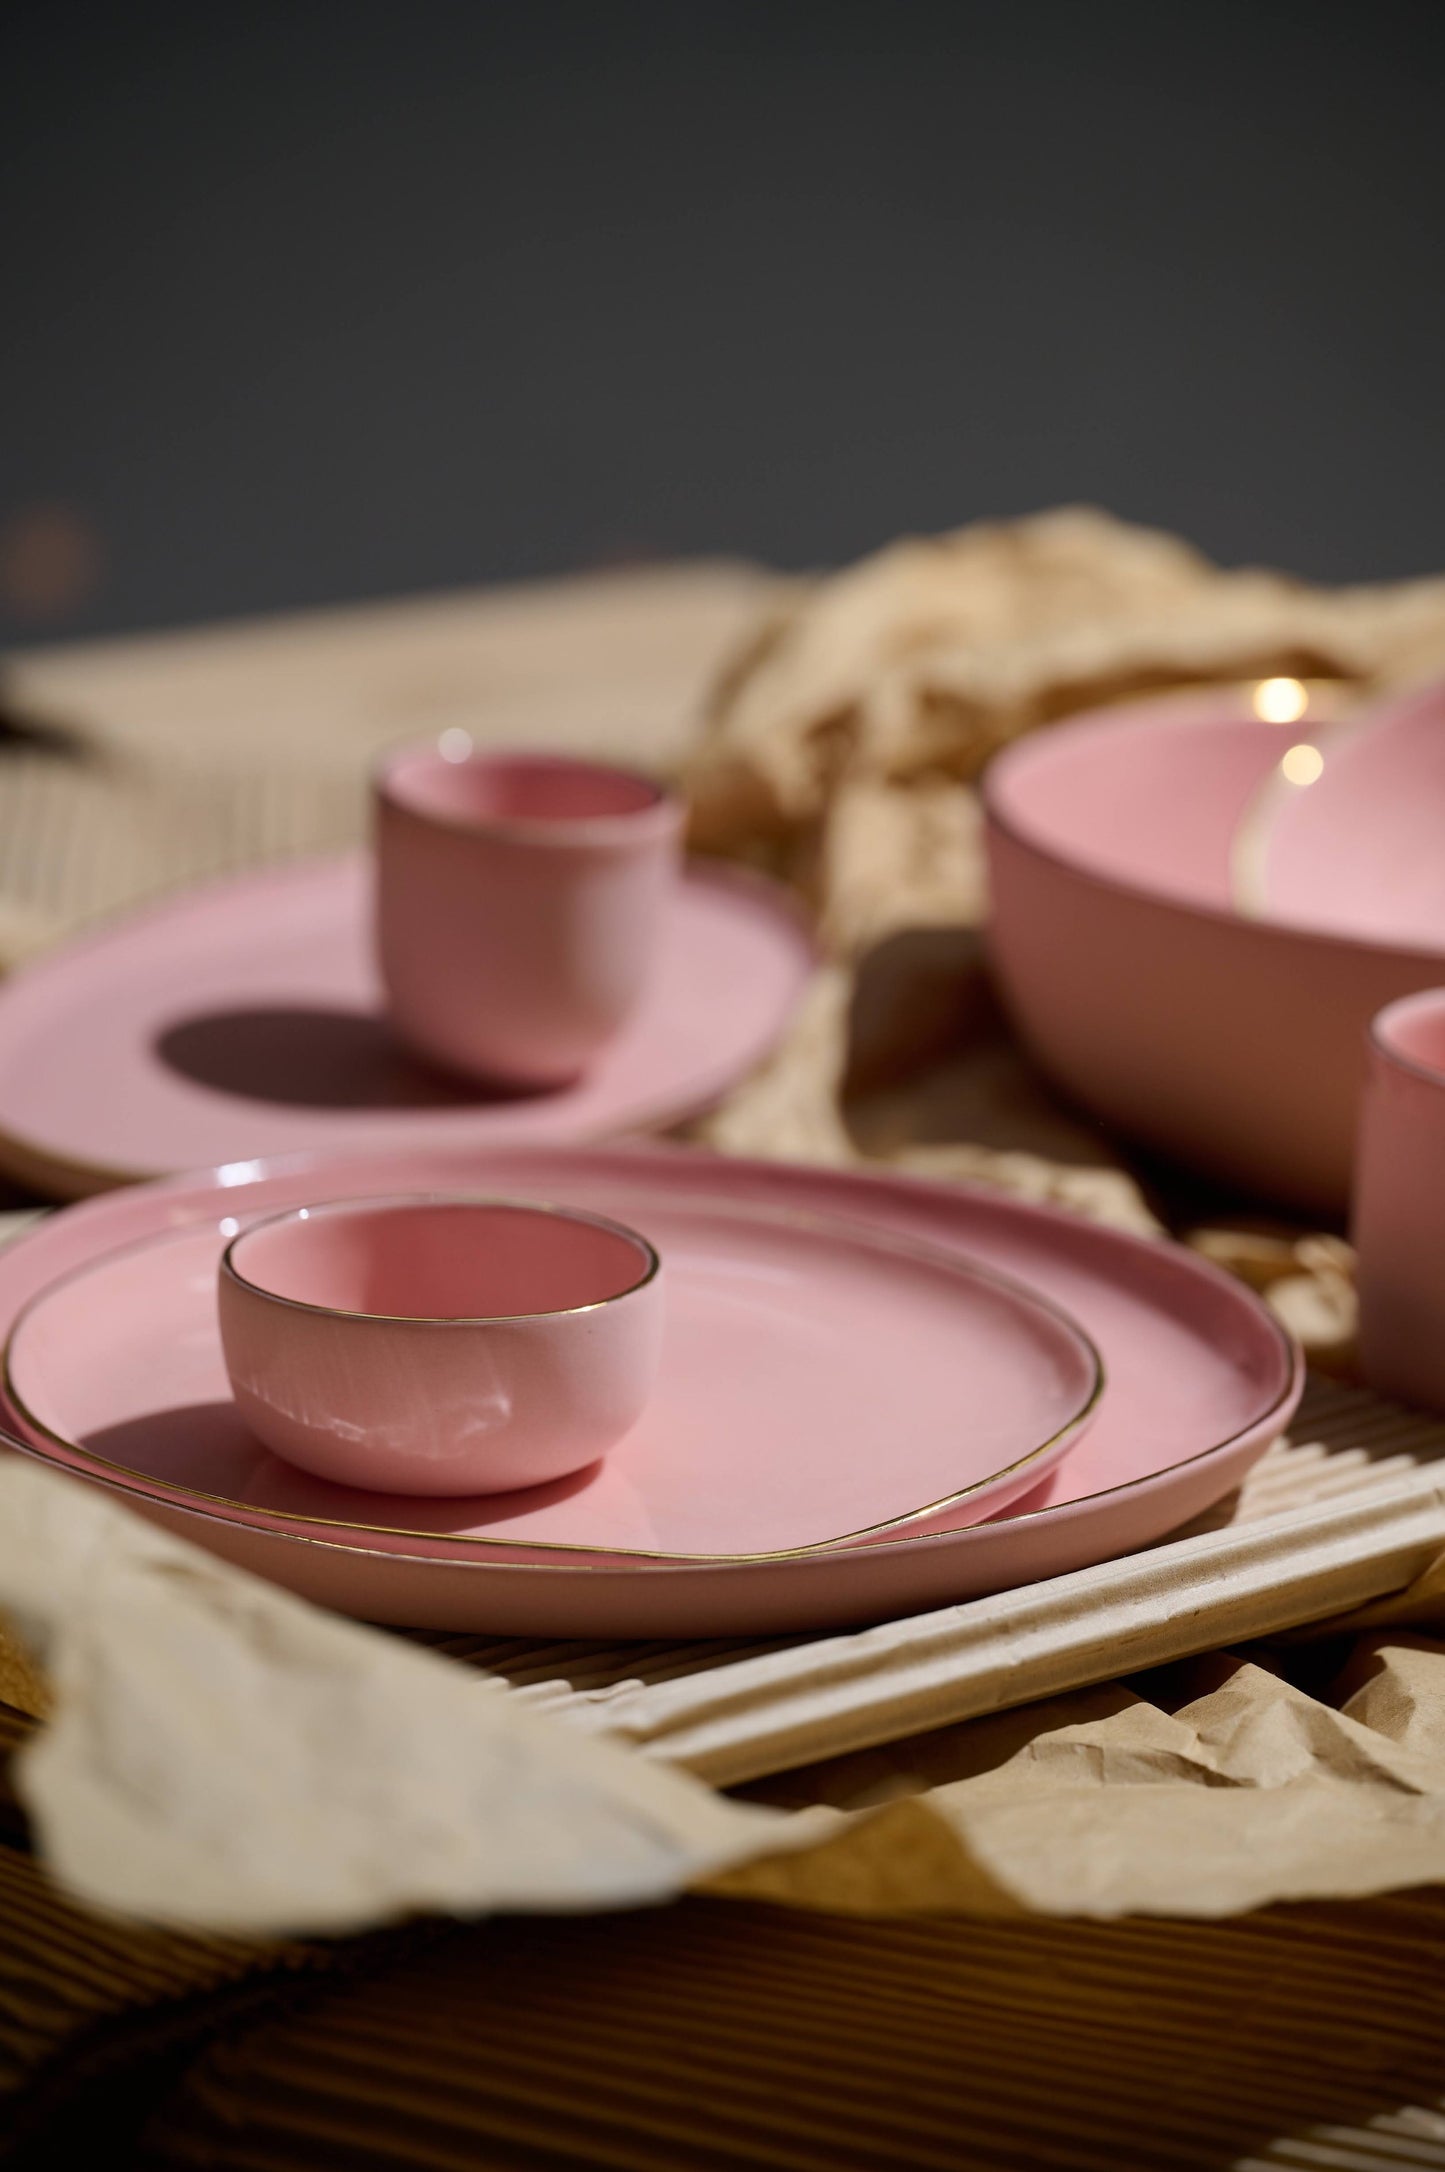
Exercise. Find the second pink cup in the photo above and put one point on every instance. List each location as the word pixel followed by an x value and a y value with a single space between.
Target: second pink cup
pixel 1399 1204
pixel 520 899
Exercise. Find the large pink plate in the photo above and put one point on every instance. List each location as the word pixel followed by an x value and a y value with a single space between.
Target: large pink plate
pixel 821 1382
pixel 1200 1381
pixel 244 1020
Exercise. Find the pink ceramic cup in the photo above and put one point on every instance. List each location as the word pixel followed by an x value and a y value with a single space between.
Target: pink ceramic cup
pixel 440 1346
pixel 519 902
pixel 1399 1202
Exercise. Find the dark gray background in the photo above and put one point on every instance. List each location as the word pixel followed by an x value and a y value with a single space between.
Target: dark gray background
pixel 313 301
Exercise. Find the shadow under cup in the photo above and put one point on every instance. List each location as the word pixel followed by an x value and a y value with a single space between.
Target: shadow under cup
pixel 1399 1202
pixel 520 903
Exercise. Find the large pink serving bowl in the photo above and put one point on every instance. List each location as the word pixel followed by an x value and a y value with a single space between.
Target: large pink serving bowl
pixel 1231 1044
pixel 1398 1213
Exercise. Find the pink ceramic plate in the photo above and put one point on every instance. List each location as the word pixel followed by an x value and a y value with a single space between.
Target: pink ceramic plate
pixel 244 1019
pixel 819 1382
pixel 1349 833
pixel 1201 1380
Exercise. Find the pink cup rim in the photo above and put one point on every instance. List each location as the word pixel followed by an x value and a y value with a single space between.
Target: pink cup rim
pixel 651 1268
pixel 661 811
pixel 1402 1011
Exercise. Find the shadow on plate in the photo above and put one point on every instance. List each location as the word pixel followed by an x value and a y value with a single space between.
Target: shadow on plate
pixel 314 1059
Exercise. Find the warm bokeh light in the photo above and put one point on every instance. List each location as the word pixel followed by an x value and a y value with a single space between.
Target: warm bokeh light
pixel 1280 701
pixel 1302 764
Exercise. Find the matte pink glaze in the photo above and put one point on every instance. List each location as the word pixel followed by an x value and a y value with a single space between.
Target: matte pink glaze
pixel 819 1381
pixel 430 1346
pixel 1200 1381
pixel 1232 1044
pixel 1399 1208
pixel 1361 851
pixel 520 900
pixel 244 1019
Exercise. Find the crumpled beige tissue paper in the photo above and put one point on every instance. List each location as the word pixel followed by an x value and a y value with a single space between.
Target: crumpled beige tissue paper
pixel 1250 1792
pixel 224 1755
pixel 902 674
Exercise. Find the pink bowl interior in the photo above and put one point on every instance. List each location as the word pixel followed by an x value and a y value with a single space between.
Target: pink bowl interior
pixel 1415 1031
pixel 484 787
pixel 1360 849
pixel 1152 797
pixel 440 1260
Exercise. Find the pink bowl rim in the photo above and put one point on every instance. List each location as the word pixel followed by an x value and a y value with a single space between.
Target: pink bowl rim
pixel 391 1202
pixel 1037 747
pixel 663 812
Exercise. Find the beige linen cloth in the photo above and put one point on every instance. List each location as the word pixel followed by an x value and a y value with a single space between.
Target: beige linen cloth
pixel 220 1754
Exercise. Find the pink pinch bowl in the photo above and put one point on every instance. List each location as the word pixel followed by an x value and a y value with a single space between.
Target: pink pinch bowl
pixel 519 901
pixel 1399 1204
pixel 440 1346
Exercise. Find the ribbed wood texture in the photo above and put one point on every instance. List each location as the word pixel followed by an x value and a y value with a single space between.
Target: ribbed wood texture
pixel 709 2038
